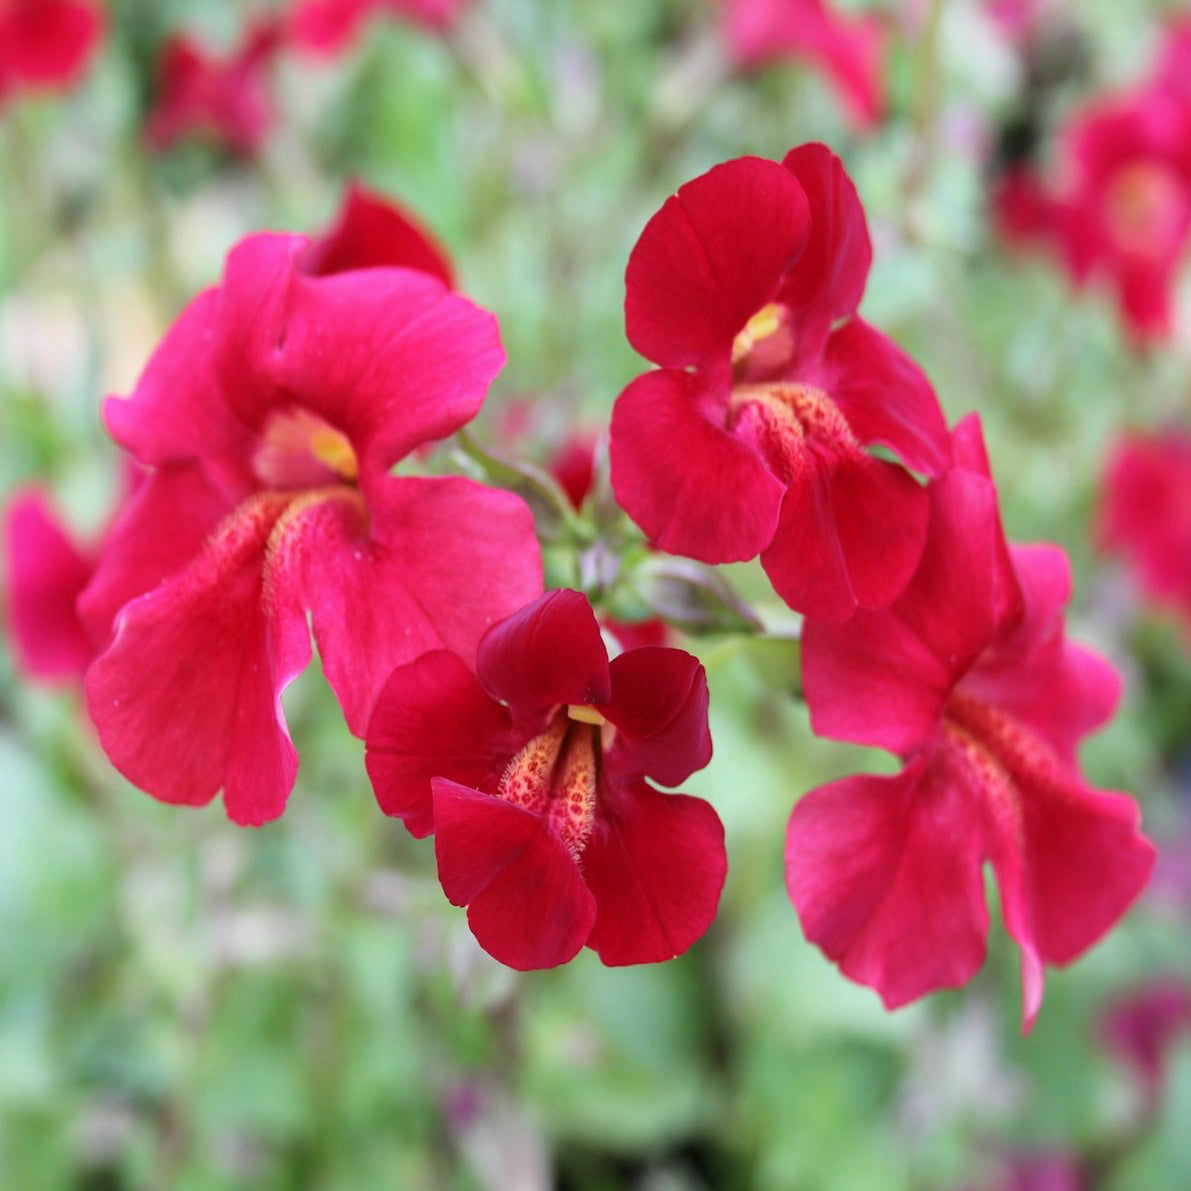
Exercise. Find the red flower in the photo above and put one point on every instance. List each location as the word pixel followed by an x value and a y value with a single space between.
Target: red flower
pixel 1145 513
pixel 327 26
pixel 969 678
pixel 748 440
pixel 46 44
pixel 848 49
pixel 1120 211
pixel 271 415
pixel 227 99
pixel 532 775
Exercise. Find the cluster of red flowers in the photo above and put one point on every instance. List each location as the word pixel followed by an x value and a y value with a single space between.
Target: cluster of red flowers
pixel 228 97
pixel 1117 208
pixel 925 632
pixel 263 433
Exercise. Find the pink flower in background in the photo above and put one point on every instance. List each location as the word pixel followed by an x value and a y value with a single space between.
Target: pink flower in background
pixel 1141 1026
pixel 848 49
pixel 531 773
pixel 749 439
pixel 970 679
pixel 227 99
pixel 47 570
pixel 1118 209
pixel 329 26
pixel 1145 513
pixel 270 416
pixel 46 44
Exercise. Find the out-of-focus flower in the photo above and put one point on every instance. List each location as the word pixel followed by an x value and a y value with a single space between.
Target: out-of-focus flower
pixel 329 26
pixel 531 773
pixel 969 678
pixel 227 99
pixel 749 439
pixel 848 49
pixel 46 44
pixel 47 570
pixel 270 416
pixel 1118 210
pixel 1141 1026
pixel 1145 513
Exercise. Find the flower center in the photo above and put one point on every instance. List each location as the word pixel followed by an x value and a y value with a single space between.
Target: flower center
pixel 298 449
pixel 1146 209
pixel 785 419
pixel 555 774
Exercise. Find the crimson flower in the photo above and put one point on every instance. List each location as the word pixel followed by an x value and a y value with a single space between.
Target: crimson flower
pixel 270 416
pixel 749 439
pixel 531 772
pixel 1119 209
pixel 225 98
pixel 46 44
pixel 1145 513
pixel 328 26
pixel 847 49
pixel 969 678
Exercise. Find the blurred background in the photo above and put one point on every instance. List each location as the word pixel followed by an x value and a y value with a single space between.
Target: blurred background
pixel 185 1004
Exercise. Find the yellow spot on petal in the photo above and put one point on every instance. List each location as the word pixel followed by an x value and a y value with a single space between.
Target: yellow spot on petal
pixel 585 714
pixel 767 321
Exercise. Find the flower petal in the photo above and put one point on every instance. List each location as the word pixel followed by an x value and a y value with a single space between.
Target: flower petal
pixel 885 873
pixel 527 904
pixel 433 719
pixel 46 572
pixel 450 556
pixel 828 281
pixel 388 356
pixel 691 486
pixel 369 231
pixel 656 865
pixel 659 707
pixel 711 258
pixel 885 397
pixel 160 530
pixel 187 698
pixel 547 653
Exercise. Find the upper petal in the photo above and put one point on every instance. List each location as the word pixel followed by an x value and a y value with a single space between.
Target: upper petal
pixel 388 356
pixel 659 706
pixel 711 258
pixel 370 230
pixel 546 653
pixel 656 865
pixel 828 281
pixel 691 486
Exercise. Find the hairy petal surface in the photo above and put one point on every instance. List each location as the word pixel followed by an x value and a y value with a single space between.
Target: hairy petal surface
pixel 187 698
